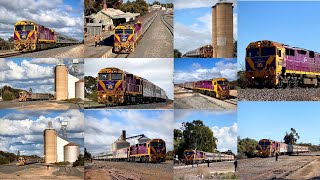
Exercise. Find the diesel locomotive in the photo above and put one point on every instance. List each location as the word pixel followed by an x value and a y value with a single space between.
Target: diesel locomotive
pixel 30 36
pixel 116 86
pixel 191 156
pixel 272 64
pixel 126 37
pixel 202 52
pixel 218 87
pixel 267 148
pixel 153 150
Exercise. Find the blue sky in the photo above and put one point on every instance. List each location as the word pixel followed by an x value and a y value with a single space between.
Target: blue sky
pixel 222 123
pixel 23 130
pixel 292 23
pixel 152 123
pixel 258 120
pixel 193 23
pixel 38 73
pixel 193 69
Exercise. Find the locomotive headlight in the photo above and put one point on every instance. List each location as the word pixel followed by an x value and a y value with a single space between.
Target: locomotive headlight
pixel 104 96
pixel 252 77
pixel 266 76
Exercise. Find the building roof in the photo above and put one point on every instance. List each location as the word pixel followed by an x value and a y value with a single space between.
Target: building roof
pixel 117 14
pixel 72 144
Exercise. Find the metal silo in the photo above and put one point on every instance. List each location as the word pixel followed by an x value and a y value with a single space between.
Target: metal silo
pixel 50 145
pixel 71 152
pixel 223 29
pixel 61 82
pixel 80 89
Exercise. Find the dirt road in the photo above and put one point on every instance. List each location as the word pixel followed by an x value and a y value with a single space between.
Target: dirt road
pixel 217 170
pixel 104 170
pixel 287 167
pixel 39 105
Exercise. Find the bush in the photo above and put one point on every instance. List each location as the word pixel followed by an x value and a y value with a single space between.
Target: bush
pixel 79 161
pixel 62 163
pixel 4 160
pixel 8 96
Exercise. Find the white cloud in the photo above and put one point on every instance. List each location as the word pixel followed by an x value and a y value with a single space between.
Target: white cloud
pixel 54 14
pixel 227 137
pixel 183 4
pixel 98 137
pixel 221 69
pixel 23 132
pixel 157 71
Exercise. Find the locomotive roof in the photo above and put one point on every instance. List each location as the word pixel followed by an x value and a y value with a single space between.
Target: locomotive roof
pixel 26 22
pixel 283 45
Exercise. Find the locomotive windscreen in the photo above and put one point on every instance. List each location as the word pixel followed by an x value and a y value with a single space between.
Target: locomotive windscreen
pixel 157 144
pixel 103 76
pixel 116 76
pixel 223 82
pixel 268 51
pixel 118 31
pixel 19 28
pixel 188 152
pixel 128 31
pixel 253 52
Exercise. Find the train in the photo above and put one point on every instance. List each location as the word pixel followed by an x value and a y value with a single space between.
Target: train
pixel 126 37
pixel 275 65
pixel 116 86
pixel 217 87
pixel 191 156
pixel 153 150
pixel 31 36
pixel 29 96
pixel 267 148
pixel 202 52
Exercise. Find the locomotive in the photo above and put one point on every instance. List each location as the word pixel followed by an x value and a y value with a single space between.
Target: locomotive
pixel 195 156
pixel 30 36
pixel 218 87
pixel 30 96
pixel 116 86
pixel 153 150
pixel 126 37
pixel 272 64
pixel 202 52
pixel 267 148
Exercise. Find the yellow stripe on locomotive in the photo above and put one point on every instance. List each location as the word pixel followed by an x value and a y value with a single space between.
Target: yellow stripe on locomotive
pixel 123 35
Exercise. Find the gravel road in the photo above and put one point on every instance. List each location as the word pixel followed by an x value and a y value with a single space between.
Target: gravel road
pixel 124 170
pixel 296 94
pixel 217 170
pixel 76 51
pixel 39 105
pixel 187 99
pixel 157 42
pixel 285 167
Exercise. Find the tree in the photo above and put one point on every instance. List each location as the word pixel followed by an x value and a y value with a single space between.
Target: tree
pixel 87 155
pixel 194 135
pixel 156 3
pixel 292 137
pixel 177 53
pixel 247 147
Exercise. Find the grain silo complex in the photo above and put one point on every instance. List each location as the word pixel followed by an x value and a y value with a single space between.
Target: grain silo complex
pixel 57 149
pixel 222 30
pixel 67 86
pixel 120 142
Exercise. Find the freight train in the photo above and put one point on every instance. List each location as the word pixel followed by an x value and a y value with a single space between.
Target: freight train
pixel 116 86
pixel 267 148
pixel 29 96
pixel 30 36
pixel 272 64
pixel 195 156
pixel 202 52
pixel 153 150
pixel 126 37
pixel 218 87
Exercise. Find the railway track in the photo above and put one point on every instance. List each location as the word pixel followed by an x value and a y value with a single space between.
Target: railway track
pixel 122 55
pixel 168 25
pixel 232 101
pixel 5 55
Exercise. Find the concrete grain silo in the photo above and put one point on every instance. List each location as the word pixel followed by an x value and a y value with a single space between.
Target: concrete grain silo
pixel 80 89
pixel 61 82
pixel 222 30
pixel 60 148
pixel 121 142
pixel 71 152
pixel 50 145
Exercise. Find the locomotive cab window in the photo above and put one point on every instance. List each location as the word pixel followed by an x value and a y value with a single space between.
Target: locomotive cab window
pixel 268 51
pixel 19 28
pixel 311 54
pixel 116 76
pixel 103 76
pixel 128 31
pixel 253 52
pixel 118 31
pixel 29 27
pixel 279 52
